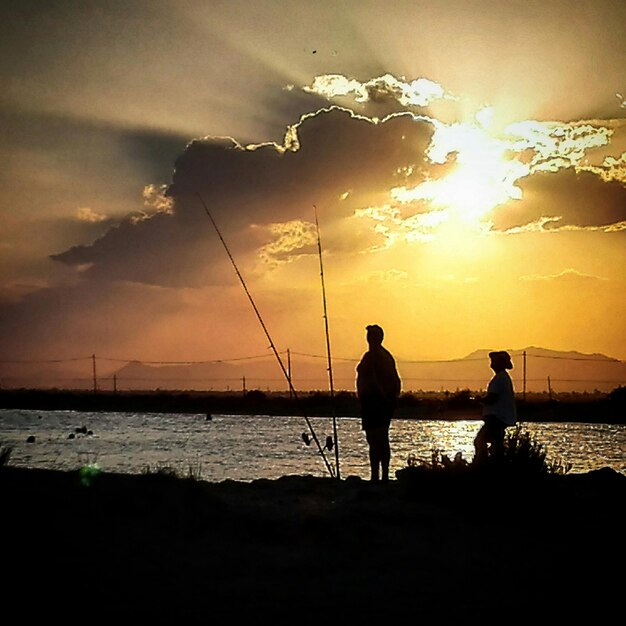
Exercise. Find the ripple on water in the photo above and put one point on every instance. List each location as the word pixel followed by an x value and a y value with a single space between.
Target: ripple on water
pixel 246 448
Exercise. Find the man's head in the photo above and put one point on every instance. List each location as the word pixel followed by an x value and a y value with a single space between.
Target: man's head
pixel 374 334
pixel 500 360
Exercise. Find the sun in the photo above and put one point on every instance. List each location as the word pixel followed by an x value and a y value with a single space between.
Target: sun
pixel 483 175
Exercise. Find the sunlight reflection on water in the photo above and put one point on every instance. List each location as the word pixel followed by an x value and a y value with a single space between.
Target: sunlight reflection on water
pixel 246 448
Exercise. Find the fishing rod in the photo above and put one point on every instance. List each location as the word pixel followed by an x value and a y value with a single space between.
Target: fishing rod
pixel 267 334
pixel 330 364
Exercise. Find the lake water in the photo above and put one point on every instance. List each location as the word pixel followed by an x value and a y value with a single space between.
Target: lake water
pixel 246 448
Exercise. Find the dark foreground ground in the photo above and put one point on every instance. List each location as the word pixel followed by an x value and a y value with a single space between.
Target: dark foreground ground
pixel 309 550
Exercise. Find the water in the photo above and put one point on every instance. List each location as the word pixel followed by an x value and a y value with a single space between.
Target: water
pixel 246 448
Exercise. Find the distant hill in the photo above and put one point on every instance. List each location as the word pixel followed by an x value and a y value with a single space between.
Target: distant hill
pixel 568 371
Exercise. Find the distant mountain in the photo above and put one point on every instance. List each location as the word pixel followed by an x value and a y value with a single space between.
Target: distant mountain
pixel 567 371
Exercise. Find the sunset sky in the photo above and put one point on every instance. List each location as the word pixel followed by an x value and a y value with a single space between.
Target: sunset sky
pixel 467 160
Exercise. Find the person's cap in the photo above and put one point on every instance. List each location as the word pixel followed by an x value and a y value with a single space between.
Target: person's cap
pixel 502 356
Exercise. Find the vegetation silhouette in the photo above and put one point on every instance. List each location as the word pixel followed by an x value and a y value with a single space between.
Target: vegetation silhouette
pixel 5 454
pixel 446 405
pixel 522 455
pixel 505 482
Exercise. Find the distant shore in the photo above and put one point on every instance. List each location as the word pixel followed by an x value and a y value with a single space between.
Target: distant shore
pixel 157 546
pixel 608 408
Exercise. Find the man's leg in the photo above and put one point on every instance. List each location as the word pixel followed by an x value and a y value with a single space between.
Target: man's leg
pixel 385 453
pixel 374 450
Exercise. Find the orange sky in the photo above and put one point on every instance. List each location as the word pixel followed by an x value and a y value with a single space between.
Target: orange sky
pixel 467 160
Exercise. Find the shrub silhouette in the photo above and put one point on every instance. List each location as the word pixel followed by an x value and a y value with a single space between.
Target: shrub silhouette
pixel 5 454
pixel 523 455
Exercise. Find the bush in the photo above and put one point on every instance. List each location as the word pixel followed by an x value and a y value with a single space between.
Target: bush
pixel 439 462
pixel 523 455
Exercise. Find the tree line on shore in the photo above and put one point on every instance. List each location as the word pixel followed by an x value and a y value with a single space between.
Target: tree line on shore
pixel 460 404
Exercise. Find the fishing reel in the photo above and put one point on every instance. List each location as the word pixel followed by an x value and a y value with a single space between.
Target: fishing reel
pixel 330 442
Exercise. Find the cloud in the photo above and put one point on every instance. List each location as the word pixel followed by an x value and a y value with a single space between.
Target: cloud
pixel 611 169
pixel 554 146
pixel 102 314
pixel 295 236
pixel 392 278
pixel 551 225
pixel 389 223
pixel 322 156
pixel 377 181
pixel 568 275
pixel 85 214
pixel 53 159
pixel 384 89
pixel 563 200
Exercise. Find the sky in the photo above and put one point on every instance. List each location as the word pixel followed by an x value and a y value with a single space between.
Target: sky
pixel 466 161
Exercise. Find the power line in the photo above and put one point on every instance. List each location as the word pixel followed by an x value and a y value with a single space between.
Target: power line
pixel 469 359
pixel 606 361
pixel 140 361
pixel 242 358
pixel 574 358
pixel 304 380
pixel 78 358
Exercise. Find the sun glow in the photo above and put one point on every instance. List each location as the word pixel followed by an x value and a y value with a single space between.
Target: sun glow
pixel 482 177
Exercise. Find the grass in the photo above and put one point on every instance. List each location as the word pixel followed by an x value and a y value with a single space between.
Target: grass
pixel 192 472
pixel 5 454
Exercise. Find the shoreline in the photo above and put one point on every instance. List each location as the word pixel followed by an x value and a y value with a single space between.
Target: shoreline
pixel 603 410
pixel 157 546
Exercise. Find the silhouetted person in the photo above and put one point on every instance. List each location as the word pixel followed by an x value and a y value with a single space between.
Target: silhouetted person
pixel 499 409
pixel 378 387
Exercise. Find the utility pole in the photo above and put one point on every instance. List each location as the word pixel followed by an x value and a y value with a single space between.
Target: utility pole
pixel 114 383
pixel 524 394
pixel 95 380
pixel 289 372
pixel 549 390
pixel 243 380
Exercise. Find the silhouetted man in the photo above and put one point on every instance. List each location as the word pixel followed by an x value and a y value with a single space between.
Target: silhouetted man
pixel 378 387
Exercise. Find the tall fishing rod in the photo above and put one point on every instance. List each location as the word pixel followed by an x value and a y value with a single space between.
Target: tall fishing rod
pixel 267 334
pixel 330 364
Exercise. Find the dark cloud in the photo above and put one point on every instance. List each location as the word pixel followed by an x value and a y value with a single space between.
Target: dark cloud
pixel 99 315
pixel 580 199
pixel 337 153
pixel 85 148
